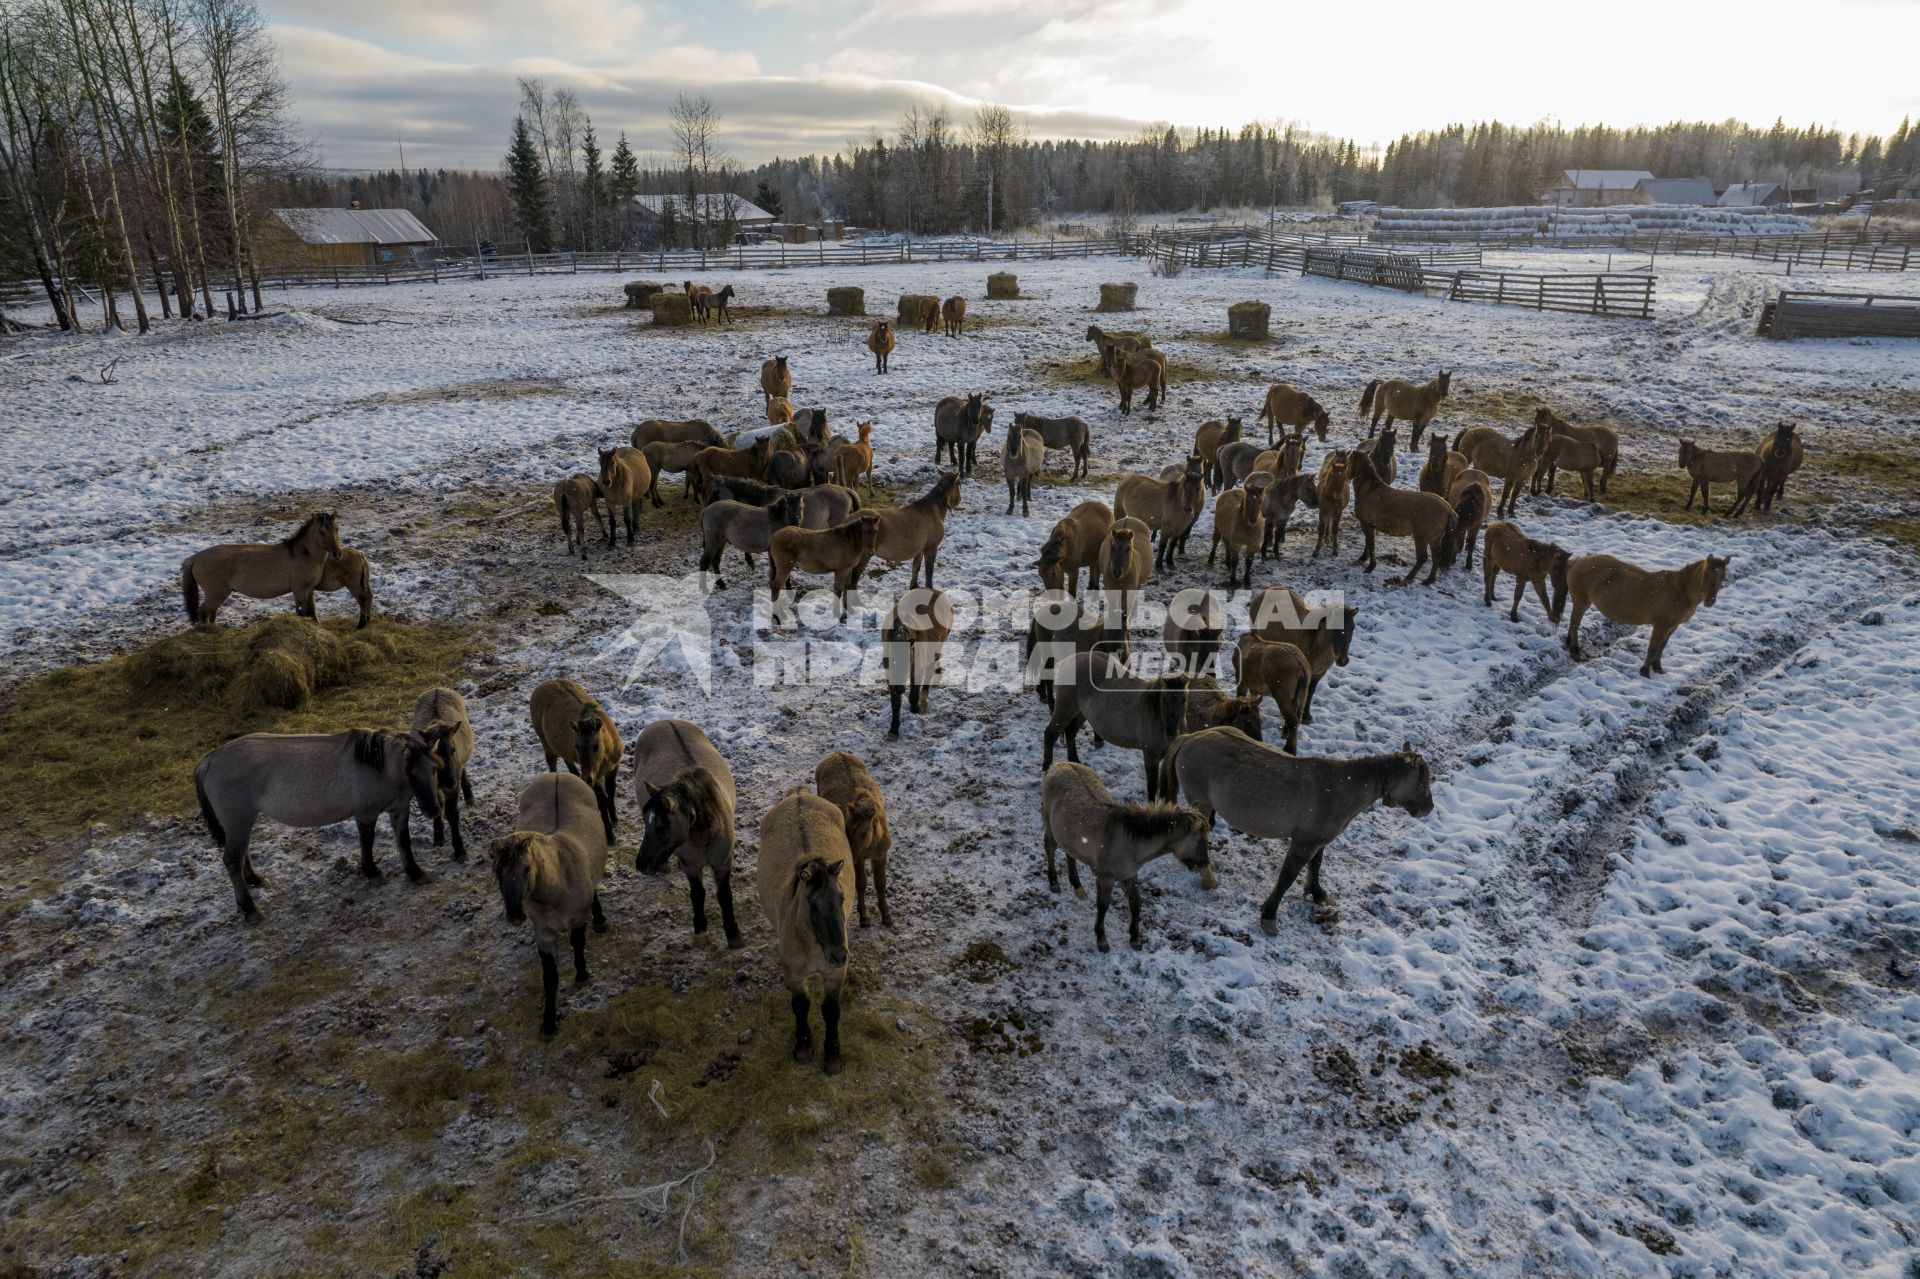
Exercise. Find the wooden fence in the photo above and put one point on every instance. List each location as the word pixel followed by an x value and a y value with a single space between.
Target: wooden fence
pixel 1839 315
pixel 1627 295
pixel 1887 249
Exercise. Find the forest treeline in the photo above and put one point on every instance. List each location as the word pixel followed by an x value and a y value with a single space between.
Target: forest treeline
pixel 142 142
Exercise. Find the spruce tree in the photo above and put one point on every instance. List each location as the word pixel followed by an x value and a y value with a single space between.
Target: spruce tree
pixel 768 198
pixel 527 183
pixel 593 188
pixel 623 183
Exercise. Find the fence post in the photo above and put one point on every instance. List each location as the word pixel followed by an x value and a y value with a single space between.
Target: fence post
pixel 529 257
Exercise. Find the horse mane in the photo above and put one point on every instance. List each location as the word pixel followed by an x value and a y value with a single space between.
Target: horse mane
pixel 304 528
pixel 1054 547
pixel 926 501
pixel 702 794
pixel 1537 547
pixel 369 746
pixel 1149 821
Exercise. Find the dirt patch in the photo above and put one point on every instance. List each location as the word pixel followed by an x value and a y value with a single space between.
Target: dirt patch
pixel 462 392
pixel 1002 1034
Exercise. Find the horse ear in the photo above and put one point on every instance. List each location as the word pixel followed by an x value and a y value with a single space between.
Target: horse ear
pixel 653 792
pixel 1406 747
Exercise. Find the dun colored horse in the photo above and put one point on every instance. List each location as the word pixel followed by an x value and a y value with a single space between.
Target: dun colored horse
pixel 953 314
pixel 1397 399
pixel 1286 406
pixel 957 427
pixel 880 341
pixel 776 379
pixel 262 570
pixel 549 873
pixel 349 572
pixel 625 480
pixel 1080 817
pixel 1635 596
pixel 1532 563
pixel 578 499
pixel 915 531
pixel 686 799
pixel 807 889
pixel 1424 517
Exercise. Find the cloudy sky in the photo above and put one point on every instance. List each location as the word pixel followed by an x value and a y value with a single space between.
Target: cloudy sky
pixel 795 76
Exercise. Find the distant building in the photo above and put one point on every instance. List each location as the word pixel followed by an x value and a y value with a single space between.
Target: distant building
pixel 1592 188
pixel 1752 195
pixel 1673 191
pixel 324 238
pixel 712 207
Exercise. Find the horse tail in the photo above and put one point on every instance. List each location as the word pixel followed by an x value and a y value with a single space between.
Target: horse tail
pixel 1366 397
pixel 1169 778
pixel 564 513
pixel 190 589
pixel 1449 549
pixel 217 831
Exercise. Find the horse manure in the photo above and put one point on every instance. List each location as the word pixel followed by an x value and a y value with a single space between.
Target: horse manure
pixel 982 961
pixel 1427 1065
pixel 1002 1034
pixel 625 1062
pixel 721 1067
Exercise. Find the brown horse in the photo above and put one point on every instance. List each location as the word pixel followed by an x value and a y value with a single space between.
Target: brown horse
pixel 1780 456
pixel 917 631
pixel 1442 466
pixel 349 571
pixel 1511 461
pixel 929 315
pixel 779 411
pixel 1168 507
pixel 1115 840
pixel 1276 669
pixel 958 425
pixel 953 314
pixel 691 430
pixel 1635 596
pixel 1237 524
pixel 578 499
pixel 625 480
pixel 1126 559
pixel 1285 406
pixel 1471 497
pixel 881 342
pixel 575 729
pixel 1207 440
pixel 1424 517
pixel 915 531
pixel 1324 634
pixel 1397 399
pixel 1074 544
pixel 842 551
pixel 1603 439
pixel 262 570
pixel 1107 343
pixel 853 458
pixel 749 463
pixel 1332 492
pixel 1707 467
pixel 1532 564
pixel 1136 369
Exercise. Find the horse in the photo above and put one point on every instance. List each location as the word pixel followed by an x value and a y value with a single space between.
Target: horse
pixel 1022 456
pixel 929 314
pixel 841 778
pixel 1280 614
pixel 953 315
pixel 1276 669
pixel 1780 456
pixel 1070 433
pixel 1135 713
pixel 686 796
pixel 779 411
pixel 806 887
pixel 573 727
pixel 749 528
pixel 549 872
pixel 743 463
pixel 1330 490
pixel 853 458
pixel 1237 524
pixel 261 570
pixel 1511 461
pixel 1207 439
pixel 1471 497
pixel 1380 450
pixel 1107 343
pixel 710 304
pixel 1532 563
pixel 880 341
pixel 1424 517
pixel 625 480
pixel 1168 507
pixel 1707 467
pixel 1059 628
pixel 776 379
pixel 306 780
pixel 1397 399
pixel 1276 508
pixel 827 505
pixel 350 572
pixel 1191 635
pixel 1126 561
pixel 842 551
pixel 1567 453
pixel 440 718
pixel 1442 464
pixel 1604 439
pixel 1135 369
pixel 1635 596
pixel 665 458
pixel 915 531
pixel 578 499
pixel 1074 544
pixel 916 632
pixel 691 430
pixel 1269 794
pixel 957 427
pixel 1285 406
pixel 1080 817
pixel 1237 459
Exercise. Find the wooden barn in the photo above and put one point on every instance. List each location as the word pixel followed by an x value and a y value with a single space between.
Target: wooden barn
pixel 1594 188
pixel 357 238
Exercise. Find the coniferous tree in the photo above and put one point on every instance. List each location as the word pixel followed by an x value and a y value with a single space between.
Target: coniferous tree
pixel 593 189
pixel 768 198
pixel 527 181
pixel 623 183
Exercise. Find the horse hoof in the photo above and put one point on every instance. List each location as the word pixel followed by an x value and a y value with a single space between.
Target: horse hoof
pixel 1137 943
pixel 585 979
pixel 549 1030
pixel 833 1065
pixel 1081 893
pixel 1269 927
pixel 251 914
pixel 417 876
pixel 460 853
pixel 1104 948
pixel 886 921
pixel 735 942
pixel 373 875
pixel 803 1052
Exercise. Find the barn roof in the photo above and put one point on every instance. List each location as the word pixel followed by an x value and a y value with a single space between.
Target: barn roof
pixel 1604 179
pixel 712 204
pixel 1676 190
pixel 1752 195
pixel 356 226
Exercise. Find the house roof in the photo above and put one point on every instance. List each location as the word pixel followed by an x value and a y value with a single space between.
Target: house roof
pixel 1604 179
pixel 1751 195
pixel 356 226
pixel 712 204
pixel 1676 190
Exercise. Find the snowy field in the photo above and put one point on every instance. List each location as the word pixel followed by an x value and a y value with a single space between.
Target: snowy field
pixel 1637 998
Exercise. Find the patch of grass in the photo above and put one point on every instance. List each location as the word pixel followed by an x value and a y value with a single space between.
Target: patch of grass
pixel 487 389
pixel 1086 372
pixel 1228 340
pixel 1899 471
pixel 1903 530
pixel 1496 403
pixel 112 741
pixel 1660 494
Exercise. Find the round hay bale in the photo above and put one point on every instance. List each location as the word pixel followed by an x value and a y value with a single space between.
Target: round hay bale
pixel 1003 284
pixel 672 310
pixel 1248 319
pixel 1117 297
pixel 912 307
pixel 278 679
pixel 846 300
pixel 640 294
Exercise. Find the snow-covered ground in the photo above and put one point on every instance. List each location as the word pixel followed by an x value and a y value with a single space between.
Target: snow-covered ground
pixel 1637 998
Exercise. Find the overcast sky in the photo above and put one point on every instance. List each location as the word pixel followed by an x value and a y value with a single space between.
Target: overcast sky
pixel 797 76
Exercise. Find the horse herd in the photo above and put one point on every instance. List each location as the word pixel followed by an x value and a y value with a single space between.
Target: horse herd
pixel 791 491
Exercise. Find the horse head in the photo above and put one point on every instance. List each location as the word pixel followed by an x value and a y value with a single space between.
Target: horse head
pixel 664 820
pixel 1410 783
pixel 511 871
pixel 1716 576
pixel 819 880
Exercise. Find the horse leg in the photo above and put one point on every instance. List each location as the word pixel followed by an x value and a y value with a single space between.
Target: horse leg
pixel 599 915
pixel 1049 845
pixel 723 889
pixel 466 787
pixel 1313 685
pixel 1299 852
pixel 860 888
pixel 1134 938
pixel 1102 898
pixel 880 891
pixel 1573 627
pixel 1419 562
pixel 1366 551
pixel 1320 895
pixel 1539 589
pixel 210 606
pixel 1292 724
pixel 549 993
pixel 697 894
pixel 1073 877
pixel 367 866
pixel 830 1014
pixel 248 873
pixel 553 763
pixel 802 1032
pixel 452 806
pixel 238 867
pixel 893 729
pixel 1656 647
pixel 579 939
pixel 1152 760
pixel 404 837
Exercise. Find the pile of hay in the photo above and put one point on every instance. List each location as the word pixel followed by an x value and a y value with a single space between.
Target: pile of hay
pixel 1248 319
pixel 912 307
pixel 1117 297
pixel 111 741
pixel 640 294
pixel 1003 284
pixel 846 301
pixel 672 310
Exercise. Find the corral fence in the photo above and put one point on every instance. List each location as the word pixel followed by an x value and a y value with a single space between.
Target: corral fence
pixel 1888 249
pixel 1628 295
pixel 1840 315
